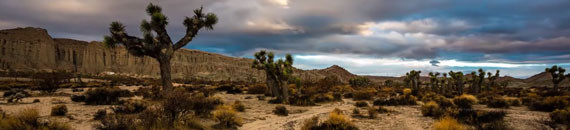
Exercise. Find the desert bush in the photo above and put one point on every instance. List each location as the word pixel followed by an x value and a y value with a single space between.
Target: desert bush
pixel 15 95
pixel 230 89
pixel 100 114
pixel 59 110
pixel 227 117
pixel 117 122
pixel 361 104
pixel 364 94
pixel 431 109
pixel 382 109
pixel 407 91
pixel 77 98
pixel 202 105
pixel 28 119
pixel 327 83
pixel 257 89
pixel 323 97
pixel 359 81
pixel 514 102
pixel 549 104
pixel 281 110
pixel 356 113
pixel 372 113
pixel 395 101
pixel 497 102
pixel 130 107
pixel 448 123
pixel 336 121
pixel 301 100
pixel 105 96
pixel 50 81
pixel 238 106
pixel 36 100
pixel 190 123
pixel 179 103
pixel 465 101
pixel 561 116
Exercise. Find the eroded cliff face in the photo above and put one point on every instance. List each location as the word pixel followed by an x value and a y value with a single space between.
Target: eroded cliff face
pixel 32 49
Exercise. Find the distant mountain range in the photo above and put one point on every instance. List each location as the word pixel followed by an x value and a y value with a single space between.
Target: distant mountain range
pixel 33 49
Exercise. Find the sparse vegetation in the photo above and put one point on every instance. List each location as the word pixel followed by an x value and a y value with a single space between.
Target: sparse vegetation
pixel 28 119
pixel 361 104
pixel 59 110
pixel 238 106
pixel 227 117
pixel 281 110
pixel 465 101
pixel 105 96
pixel 448 123
pixel 336 121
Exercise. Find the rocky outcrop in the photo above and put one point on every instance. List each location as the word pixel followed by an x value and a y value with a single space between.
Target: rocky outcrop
pixel 32 49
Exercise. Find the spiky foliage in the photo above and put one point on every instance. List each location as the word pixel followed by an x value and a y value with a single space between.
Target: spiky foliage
pixel 557 73
pixel 477 81
pixel 492 79
pixel 156 42
pixel 445 84
pixel 277 73
pixel 414 80
pixel 359 81
pixel 458 80
pixel 434 82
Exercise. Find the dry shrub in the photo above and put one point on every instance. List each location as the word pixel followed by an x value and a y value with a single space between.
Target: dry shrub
pixel 177 103
pixel 497 102
pixel 407 91
pixel 465 101
pixel 431 109
pixel 323 97
pixel 301 100
pixel 77 98
pixel 364 94
pixel 28 119
pixel 448 123
pixel 105 96
pixel 361 104
pixel 59 110
pixel 550 104
pixel 227 117
pixel 395 101
pixel 117 122
pixel 50 81
pixel 336 121
pixel 257 89
pixel 561 116
pixel 130 107
pixel 281 111
pixel 238 106
pixel 100 114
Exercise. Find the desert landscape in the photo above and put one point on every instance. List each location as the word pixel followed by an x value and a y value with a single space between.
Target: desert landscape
pixel 148 80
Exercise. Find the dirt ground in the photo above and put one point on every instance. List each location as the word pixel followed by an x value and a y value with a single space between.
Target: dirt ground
pixel 259 115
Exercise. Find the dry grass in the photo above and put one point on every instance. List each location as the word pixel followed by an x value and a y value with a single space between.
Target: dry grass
pixel 227 117
pixel 448 123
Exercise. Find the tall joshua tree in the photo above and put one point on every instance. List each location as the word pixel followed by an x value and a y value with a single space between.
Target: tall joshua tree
pixel 458 80
pixel 434 81
pixel 156 42
pixel 414 78
pixel 492 79
pixel 477 81
pixel 277 73
pixel 557 75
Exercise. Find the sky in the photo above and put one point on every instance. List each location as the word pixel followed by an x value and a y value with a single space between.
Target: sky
pixel 366 37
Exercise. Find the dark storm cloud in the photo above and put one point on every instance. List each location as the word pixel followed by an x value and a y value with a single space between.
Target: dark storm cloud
pixel 416 29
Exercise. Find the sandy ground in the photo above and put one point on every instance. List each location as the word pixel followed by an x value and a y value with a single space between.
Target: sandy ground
pixel 259 115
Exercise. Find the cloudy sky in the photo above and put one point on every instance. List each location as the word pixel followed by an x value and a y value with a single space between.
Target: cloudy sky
pixel 368 37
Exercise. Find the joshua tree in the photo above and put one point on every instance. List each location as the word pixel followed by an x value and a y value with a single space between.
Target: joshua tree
pixel 492 79
pixel 444 84
pixel 414 78
pixel 458 80
pixel 434 81
pixel 557 75
pixel 276 73
pixel 477 81
pixel 156 42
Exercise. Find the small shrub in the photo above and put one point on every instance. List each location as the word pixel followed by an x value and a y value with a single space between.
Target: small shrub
pixel 337 121
pixel 514 102
pixel 77 98
pixel 100 114
pixel 359 81
pixel 431 109
pixel 365 94
pixel 549 104
pixel 105 96
pixel 59 110
pixel 356 112
pixel 301 100
pixel 465 101
pixel 227 117
pixel 311 124
pixel 561 116
pixel 238 106
pixel 361 104
pixel 281 111
pixel 36 100
pixel 372 113
pixel 117 122
pixel 257 89
pixel 448 123
pixel 130 107
pixel 28 119
pixel 407 91
pixel 497 102
pixel 50 81
pixel 323 97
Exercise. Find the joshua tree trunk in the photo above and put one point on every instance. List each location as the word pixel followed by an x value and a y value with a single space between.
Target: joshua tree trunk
pixel 165 75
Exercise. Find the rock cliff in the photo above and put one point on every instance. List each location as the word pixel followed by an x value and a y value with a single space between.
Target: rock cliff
pixel 33 49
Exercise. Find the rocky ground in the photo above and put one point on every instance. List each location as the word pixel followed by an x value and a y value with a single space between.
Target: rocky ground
pixel 259 115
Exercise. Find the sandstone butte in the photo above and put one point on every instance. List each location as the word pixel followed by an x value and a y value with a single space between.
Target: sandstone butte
pixel 33 49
